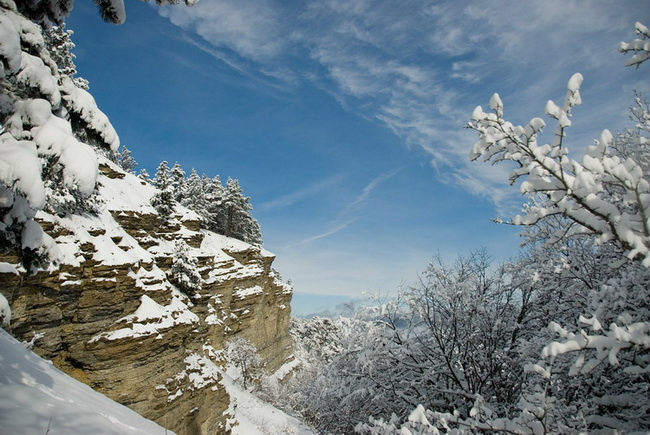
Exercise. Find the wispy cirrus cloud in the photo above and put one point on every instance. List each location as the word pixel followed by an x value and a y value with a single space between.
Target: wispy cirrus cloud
pixel 345 217
pixel 419 67
pixel 301 194
pixel 327 233
pixel 372 185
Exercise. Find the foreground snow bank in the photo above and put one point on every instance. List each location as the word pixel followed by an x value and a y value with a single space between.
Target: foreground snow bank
pixel 37 398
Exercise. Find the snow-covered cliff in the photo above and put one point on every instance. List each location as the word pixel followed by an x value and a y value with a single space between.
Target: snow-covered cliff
pixel 109 315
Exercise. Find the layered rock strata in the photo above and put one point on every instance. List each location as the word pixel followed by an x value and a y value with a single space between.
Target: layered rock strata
pixel 108 314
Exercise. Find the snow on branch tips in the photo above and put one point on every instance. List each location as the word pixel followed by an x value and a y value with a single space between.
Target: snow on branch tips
pixel 603 194
pixel 640 47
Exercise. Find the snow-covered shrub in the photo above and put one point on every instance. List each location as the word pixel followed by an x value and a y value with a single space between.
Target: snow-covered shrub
pixel 242 355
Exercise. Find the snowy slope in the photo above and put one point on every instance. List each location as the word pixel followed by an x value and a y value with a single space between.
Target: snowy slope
pixel 35 396
pixel 256 417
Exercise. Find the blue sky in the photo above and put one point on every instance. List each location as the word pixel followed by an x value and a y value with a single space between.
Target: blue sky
pixel 343 120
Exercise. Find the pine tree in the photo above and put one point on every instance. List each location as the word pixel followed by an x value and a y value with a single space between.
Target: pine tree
pixel 163 200
pixel 238 221
pixel 126 160
pixel 178 181
pixel 143 175
pixel 214 197
pixel 59 44
pixel 192 195
pixel 184 272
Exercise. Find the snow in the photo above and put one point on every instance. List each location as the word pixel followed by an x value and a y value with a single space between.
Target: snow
pixel 33 237
pixel 127 193
pixel 285 369
pixel 83 104
pixel 8 268
pixel 157 319
pixel 246 292
pixel 148 309
pixel 20 167
pixel 574 82
pixel 37 398
pixel 9 46
pixel 5 311
pixel 258 417
pixel 35 74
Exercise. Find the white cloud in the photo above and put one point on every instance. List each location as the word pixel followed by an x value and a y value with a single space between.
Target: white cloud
pixel 327 233
pixel 301 194
pixel 374 183
pixel 249 28
pixel 343 218
pixel 415 67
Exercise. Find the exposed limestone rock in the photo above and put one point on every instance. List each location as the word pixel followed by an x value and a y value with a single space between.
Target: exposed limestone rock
pixel 109 316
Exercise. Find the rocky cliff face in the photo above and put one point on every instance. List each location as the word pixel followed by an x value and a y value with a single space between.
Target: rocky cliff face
pixel 109 316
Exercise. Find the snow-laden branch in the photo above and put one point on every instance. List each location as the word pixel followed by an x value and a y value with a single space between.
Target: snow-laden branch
pixel 640 47
pixel 560 185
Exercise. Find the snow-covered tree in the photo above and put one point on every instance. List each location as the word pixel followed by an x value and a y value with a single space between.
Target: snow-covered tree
pixel 125 160
pixel 184 272
pixel 588 273
pixel 243 356
pixel 144 175
pixel 163 200
pixel 602 194
pixel 45 150
pixel 192 195
pixel 556 341
pixel 214 195
pixel 44 11
pixel 238 221
pixel 60 45
pixel 178 181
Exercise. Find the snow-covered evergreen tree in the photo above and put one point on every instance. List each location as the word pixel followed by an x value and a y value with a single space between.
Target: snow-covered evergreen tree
pixel 238 221
pixel 178 181
pixel 184 271
pixel 192 195
pixel 51 131
pixel 144 175
pixel 126 161
pixel 60 45
pixel 213 199
pixel 163 200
